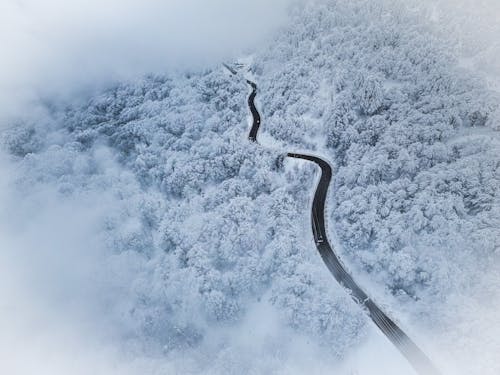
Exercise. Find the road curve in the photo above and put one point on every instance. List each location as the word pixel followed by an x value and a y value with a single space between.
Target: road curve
pixel 415 356
pixel 406 346
pixel 255 114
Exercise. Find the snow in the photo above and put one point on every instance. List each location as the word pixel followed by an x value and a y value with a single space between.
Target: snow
pixel 416 146
pixel 143 229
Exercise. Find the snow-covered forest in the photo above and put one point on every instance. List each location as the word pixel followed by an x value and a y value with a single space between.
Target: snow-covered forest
pixel 160 225
pixel 413 136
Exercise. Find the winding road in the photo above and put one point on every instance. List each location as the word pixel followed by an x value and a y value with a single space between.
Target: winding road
pixel 255 114
pixel 415 356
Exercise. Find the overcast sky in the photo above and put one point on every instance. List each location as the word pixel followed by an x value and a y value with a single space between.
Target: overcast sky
pixel 60 47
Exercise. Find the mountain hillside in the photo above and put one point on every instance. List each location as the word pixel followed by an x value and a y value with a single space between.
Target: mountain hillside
pixel 156 218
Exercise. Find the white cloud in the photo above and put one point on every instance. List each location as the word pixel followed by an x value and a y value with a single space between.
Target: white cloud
pixel 473 27
pixel 57 47
pixel 59 294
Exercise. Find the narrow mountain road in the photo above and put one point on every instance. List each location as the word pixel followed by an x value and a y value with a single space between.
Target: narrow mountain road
pixel 415 356
pixel 255 114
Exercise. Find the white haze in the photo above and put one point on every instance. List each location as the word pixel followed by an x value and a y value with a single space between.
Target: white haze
pixel 60 48
pixel 54 286
pixel 474 29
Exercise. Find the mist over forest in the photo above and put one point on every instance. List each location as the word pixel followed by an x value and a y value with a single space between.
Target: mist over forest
pixel 142 233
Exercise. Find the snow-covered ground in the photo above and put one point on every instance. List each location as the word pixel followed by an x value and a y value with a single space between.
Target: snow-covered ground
pixel 142 233
pixel 415 202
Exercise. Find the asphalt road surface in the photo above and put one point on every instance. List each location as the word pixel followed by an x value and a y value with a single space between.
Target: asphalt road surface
pixel 415 356
pixel 255 114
